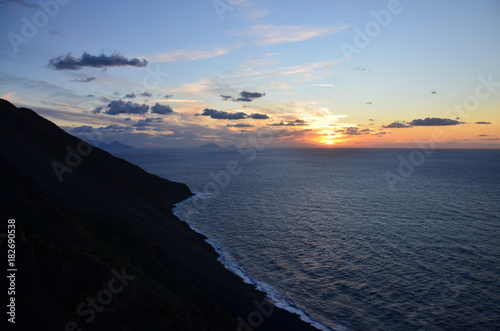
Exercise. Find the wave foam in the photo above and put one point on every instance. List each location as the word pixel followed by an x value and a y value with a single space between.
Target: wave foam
pixel 271 293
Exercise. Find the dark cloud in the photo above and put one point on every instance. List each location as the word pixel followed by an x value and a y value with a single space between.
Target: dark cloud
pixel 484 135
pixel 257 116
pixel 127 119
pixel 90 96
pixel 168 96
pixel 223 115
pixel 146 94
pixel 490 139
pixel 147 122
pixel 82 129
pixel 87 129
pixel 482 123
pixel 240 125
pixel 116 93
pixel 352 131
pixel 434 121
pixel 369 103
pixel 291 123
pixel 433 92
pixel 161 109
pixel 245 96
pixel 371 119
pixel 397 125
pixel 83 80
pixel 121 107
pixel 68 62
pixel 130 96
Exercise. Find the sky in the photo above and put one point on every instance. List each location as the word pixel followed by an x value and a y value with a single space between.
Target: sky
pixel 287 73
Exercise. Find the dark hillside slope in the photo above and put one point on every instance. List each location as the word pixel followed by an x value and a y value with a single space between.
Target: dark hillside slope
pixel 105 214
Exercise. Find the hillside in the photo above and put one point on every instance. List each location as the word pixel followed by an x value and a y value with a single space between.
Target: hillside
pixel 86 220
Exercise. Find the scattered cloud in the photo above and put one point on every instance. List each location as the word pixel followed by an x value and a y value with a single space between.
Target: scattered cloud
pixel 147 122
pixel 369 103
pixel 130 96
pixel 146 94
pixel 482 123
pixel 121 107
pixel 490 139
pixel 361 69
pixel 484 135
pixel 397 125
pixel 257 116
pixel 240 125
pixel 290 123
pixel 272 34
pixel 68 62
pixel 83 80
pixel 245 96
pixel 183 55
pixel 223 115
pixel 161 109
pixel 434 121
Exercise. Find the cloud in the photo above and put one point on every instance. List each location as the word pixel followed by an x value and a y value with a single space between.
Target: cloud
pixel 272 34
pixel 361 69
pixel 240 125
pixel 482 123
pixel 146 94
pixel 352 131
pixel 83 80
pixel 371 119
pixel 490 139
pixel 147 122
pixel 121 107
pixel 68 62
pixel 130 96
pixel 182 55
pixel 245 96
pixel 397 125
pixel 161 109
pixel 434 121
pixel 369 103
pixel 87 129
pixel 257 116
pixel 291 123
pixel 433 92
pixel 484 135
pixel 90 96
pixel 223 115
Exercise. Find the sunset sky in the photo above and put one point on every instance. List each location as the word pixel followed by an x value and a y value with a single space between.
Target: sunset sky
pixel 307 73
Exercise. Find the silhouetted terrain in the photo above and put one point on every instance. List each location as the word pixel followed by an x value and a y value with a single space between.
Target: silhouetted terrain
pixel 89 225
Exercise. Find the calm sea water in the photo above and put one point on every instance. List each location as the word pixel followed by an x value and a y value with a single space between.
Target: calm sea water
pixel 329 234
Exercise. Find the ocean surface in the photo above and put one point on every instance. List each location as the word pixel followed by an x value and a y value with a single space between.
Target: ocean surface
pixel 351 239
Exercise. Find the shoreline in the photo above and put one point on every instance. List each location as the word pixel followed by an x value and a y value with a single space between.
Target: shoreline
pixel 271 294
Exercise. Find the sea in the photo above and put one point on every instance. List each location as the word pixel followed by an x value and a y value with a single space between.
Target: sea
pixel 351 239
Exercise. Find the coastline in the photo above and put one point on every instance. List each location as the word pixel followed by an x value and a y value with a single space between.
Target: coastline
pixel 271 294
